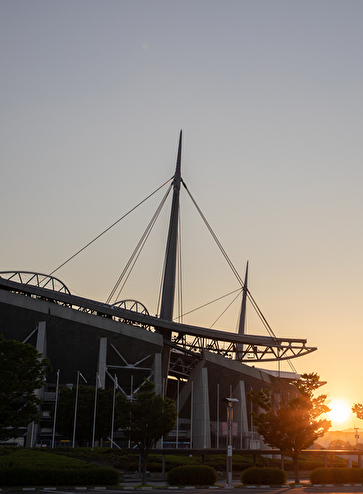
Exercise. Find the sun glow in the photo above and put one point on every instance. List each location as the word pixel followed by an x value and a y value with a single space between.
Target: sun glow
pixel 340 411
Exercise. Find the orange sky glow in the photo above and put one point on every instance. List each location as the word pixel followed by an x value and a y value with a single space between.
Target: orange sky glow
pixel 268 95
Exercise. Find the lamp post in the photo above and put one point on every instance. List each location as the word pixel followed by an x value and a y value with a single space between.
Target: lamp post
pixel 55 408
pixel 229 404
pixel 76 407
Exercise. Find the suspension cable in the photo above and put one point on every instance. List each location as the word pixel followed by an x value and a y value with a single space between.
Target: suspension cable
pixel 234 270
pixel 211 302
pixel 109 228
pixel 137 251
pixel 180 273
pixel 225 310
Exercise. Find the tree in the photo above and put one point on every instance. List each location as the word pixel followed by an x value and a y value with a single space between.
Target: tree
pixel 22 372
pixel 339 444
pixel 294 425
pixel 85 413
pixel 357 408
pixel 147 419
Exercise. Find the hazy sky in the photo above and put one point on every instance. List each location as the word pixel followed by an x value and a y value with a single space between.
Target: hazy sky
pixel 269 97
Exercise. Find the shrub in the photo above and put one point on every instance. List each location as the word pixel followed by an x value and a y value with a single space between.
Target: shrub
pixel 179 461
pixel 263 476
pixel 336 475
pixel 39 458
pixel 20 476
pixel 192 475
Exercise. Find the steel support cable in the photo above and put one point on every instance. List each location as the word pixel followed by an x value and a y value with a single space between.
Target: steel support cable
pixel 142 243
pixel 234 270
pixel 158 305
pixel 211 302
pixel 225 310
pixel 111 226
pixel 137 251
pixel 260 315
pixel 253 302
pixel 229 262
pixel 266 324
pixel 159 301
pixel 180 281
pixel 180 273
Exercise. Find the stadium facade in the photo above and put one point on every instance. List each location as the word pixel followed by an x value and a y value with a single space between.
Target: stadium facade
pixel 122 343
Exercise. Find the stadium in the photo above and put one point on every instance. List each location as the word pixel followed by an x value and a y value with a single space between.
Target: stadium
pixel 122 344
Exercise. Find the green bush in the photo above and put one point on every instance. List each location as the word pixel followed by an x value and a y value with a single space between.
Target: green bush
pixel 240 462
pixel 336 475
pixel 26 467
pixel 21 476
pixel 263 476
pixel 38 458
pixel 192 475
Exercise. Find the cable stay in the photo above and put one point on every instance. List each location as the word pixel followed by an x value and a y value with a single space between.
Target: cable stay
pixel 231 265
pixel 110 227
pixel 225 310
pixel 137 251
pixel 125 274
pixel 179 284
pixel 211 302
pixel 237 275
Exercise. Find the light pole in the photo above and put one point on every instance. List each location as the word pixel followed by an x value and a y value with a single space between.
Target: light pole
pixel 229 404
pixel 76 407
pixel 55 408
pixel 95 411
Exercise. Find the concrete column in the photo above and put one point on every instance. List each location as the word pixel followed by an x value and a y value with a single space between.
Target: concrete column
pixel 240 413
pixel 102 359
pixel 157 375
pixel 41 346
pixel 201 426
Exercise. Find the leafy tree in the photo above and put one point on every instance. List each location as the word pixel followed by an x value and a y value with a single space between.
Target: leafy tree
pixel 357 408
pixel 294 425
pixel 85 413
pixel 339 444
pixel 22 372
pixel 147 419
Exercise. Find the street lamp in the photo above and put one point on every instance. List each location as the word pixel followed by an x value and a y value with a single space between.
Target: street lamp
pixel 229 404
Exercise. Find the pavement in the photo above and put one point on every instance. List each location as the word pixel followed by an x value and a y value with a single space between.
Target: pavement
pixel 158 486
pixel 136 483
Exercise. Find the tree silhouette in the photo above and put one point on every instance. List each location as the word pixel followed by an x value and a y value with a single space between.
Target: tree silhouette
pixel 85 413
pixel 22 372
pixel 357 408
pixel 294 425
pixel 147 419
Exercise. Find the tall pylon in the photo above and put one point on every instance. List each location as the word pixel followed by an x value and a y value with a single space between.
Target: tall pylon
pixel 242 317
pixel 168 288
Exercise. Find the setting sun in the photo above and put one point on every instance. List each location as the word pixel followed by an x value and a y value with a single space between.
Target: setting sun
pixel 340 411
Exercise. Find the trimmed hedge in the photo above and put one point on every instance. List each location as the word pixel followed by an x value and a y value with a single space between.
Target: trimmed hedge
pixel 18 457
pixel 336 475
pixel 192 475
pixel 263 476
pixel 21 476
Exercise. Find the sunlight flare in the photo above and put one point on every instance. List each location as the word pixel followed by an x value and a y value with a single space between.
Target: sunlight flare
pixel 340 411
